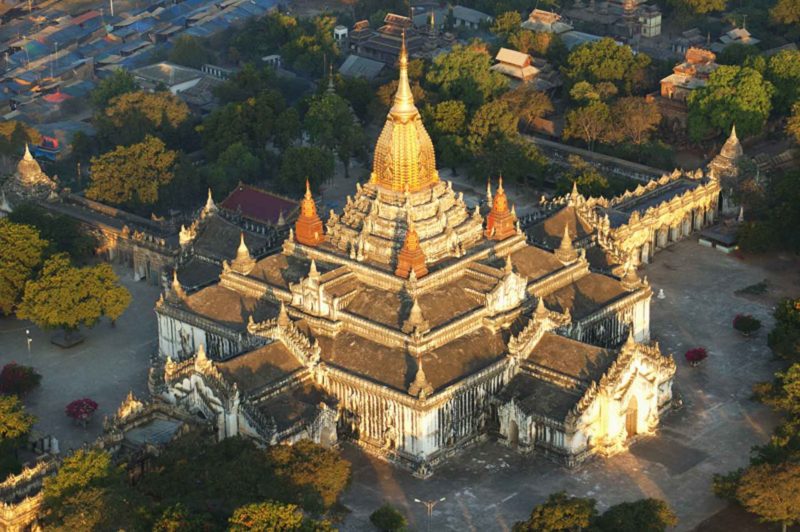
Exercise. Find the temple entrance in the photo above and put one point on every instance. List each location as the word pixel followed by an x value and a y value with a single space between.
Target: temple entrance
pixel 631 417
pixel 513 434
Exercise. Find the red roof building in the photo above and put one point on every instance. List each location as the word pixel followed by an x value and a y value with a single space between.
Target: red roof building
pixel 260 206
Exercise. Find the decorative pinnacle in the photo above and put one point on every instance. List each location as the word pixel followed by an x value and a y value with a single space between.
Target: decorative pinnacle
pixel 242 251
pixel 27 156
pixel 308 190
pixel 541 310
pixel 312 270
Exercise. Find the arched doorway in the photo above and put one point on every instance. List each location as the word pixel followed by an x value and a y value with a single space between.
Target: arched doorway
pixel 513 433
pixel 632 417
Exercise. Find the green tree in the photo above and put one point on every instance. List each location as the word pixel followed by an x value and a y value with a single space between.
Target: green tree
pixel 590 182
pixel 118 83
pixel 266 517
pixel 299 163
pixel 132 175
pixel 22 254
pixel 189 51
pixel 559 513
pixel 464 74
pixel 605 60
pixel 178 518
pixel 315 475
pixel 130 117
pixel 698 7
pixel 449 118
pixel 784 339
pixel 330 123
pixel 636 118
pixel 737 54
pixel 645 515
pixel 63 233
pixel 733 95
pixel 236 164
pixel 492 121
pixel 388 519
pixel 15 423
pixel 67 297
pixel 786 12
pixel 588 123
pixel 287 128
pixel 13 137
pixel 89 493
pixel 772 492
pixel 783 71
pixel 506 23
pixel 528 104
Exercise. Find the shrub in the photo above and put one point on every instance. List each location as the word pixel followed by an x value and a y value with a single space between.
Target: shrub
pixel 746 324
pixel 725 485
pixel 18 380
pixel 388 519
pixel 81 409
pixel 697 354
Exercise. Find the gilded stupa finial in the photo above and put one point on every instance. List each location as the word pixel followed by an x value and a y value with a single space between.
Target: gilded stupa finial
pixel 403 98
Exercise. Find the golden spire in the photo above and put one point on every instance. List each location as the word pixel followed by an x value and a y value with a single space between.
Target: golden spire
pixel 309 225
pixel 403 98
pixel 404 154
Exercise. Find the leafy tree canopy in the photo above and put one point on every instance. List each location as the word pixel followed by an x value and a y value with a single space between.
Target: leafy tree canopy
pixel 506 23
pixel 22 254
pixel 266 516
pixel 189 51
pixel 637 118
pixel 13 137
pixel 605 60
pixel 304 162
pixel 786 12
pixel 645 515
pixel 448 118
pixel 15 423
pixel 783 70
pixel 132 175
pixel 698 7
pixel 64 234
pixel 559 513
pixel 117 84
pixel 785 339
pixel 588 123
pixel 388 519
pixel 464 74
pixel 733 95
pixel 67 297
pixel 331 124
pixel 772 492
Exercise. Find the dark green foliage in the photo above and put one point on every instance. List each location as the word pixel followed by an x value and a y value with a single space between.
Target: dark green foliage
pixel 784 339
pixel 190 51
pixel 119 83
pixel 725 486
pixel 387 518
pixel 733 95
pixel 63 233
pixel 463 74
pixel 304 162
pixel 605 60
pixel 559 513
pixel 13 137
pixel 645 515
pixel 15 425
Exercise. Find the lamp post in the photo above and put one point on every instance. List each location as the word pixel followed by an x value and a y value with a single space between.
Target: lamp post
pixel 429 505
pixel 29 339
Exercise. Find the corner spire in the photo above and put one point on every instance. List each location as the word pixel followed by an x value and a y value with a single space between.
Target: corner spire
pixel 500 221
pixel 27 156
pixel 244 262
pixel 566 252
pixel 309 225
pixel 420 388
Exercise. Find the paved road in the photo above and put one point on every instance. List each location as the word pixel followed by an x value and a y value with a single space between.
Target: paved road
pixel 490 487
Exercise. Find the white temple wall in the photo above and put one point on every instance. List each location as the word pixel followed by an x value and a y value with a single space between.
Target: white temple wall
pixel 641 321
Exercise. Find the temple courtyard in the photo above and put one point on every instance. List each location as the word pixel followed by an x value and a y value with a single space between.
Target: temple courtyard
pixel 491 486
pixel 109 363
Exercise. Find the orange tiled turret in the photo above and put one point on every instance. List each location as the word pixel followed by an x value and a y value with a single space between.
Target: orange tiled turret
pixel 411 256
pixel 500 221
pixel 308 229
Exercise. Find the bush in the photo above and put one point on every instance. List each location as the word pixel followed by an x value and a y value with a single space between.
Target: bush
pixel 784 339
pixel 697 354
pixel 81 409
pixel 388 519
pixel 725 486
pixel 746 324
pixel 18 380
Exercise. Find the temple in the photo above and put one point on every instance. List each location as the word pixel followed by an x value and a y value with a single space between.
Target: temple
pixel 414 327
